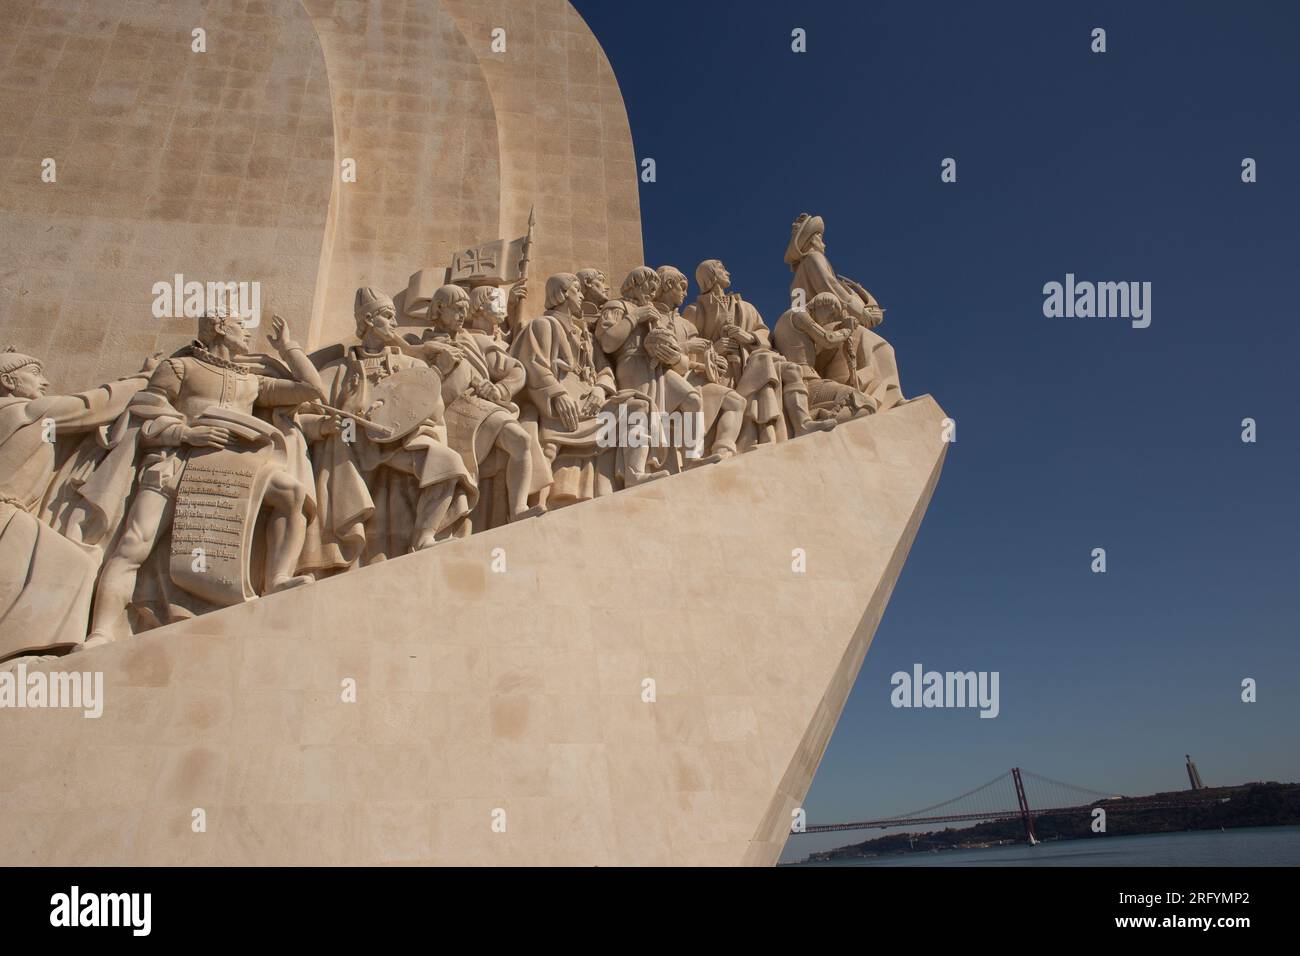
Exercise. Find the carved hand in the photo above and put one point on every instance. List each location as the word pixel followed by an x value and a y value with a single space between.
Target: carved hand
pixel 490 391
pixel 518 292
pixel 206 436
pixel 567 411
pixel 735 333
pixel 451 352
pixel 280 336
pixel 151 363
pixel 593 403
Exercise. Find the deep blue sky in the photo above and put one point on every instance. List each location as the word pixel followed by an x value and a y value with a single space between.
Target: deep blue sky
pixel 1073 433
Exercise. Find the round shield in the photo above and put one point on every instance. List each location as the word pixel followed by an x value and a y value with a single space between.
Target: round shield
pixel 404 400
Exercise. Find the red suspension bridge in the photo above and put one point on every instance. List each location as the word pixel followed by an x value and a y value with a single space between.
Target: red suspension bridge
pixel 1016 793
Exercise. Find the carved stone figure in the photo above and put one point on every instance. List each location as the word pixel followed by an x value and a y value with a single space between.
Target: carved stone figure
pixel 46 580
pixel 595 293
pixel 199 440
pixel 487 312
pixel 868 362
pixel 805 337
pixel 382 491
pixel 703 367
pixel 739 335
pixel 482 419
pixel 645 352
pixel 491 313
pixel 257 474
pixel 569 384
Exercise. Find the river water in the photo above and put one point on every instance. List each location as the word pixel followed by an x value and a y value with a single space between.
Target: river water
pixel 1248 846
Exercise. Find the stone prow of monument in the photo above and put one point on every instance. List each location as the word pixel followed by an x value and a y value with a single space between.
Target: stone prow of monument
pixel 647 678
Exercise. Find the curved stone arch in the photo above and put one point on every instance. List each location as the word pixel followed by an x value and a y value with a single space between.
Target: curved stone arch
pixel 566 146
pixel 226 165
pixel 410 106
pixel 211 164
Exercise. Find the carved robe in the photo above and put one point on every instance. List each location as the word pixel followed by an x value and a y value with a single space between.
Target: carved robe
pixel 801 340
pixel 874 369
pixel 367 491
pixel 695 348
pixel 753 370
pixel 474 423
pixel 560 357
pixel 623 338
pixel 46 580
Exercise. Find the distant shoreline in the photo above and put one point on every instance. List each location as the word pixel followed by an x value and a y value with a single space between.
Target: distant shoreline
pixel 1211 808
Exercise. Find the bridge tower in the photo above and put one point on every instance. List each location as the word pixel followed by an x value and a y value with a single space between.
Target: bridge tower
pixel 1024 807
pixel 1193 774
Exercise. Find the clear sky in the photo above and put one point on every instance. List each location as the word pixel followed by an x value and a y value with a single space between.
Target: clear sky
pixel 1072 433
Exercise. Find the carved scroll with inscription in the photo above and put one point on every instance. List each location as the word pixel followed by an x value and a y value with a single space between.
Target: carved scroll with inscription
pixel 217 505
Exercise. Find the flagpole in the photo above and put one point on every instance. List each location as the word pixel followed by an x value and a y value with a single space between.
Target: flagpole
pixel 528 245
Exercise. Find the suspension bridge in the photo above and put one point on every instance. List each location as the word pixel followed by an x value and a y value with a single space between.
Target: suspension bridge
pixel 1016 793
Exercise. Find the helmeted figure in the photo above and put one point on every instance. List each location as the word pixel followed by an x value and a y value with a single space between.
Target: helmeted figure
pixel 46 579
pixel 867 363
pixel 569 384
pixel 381 496
pixel 482 420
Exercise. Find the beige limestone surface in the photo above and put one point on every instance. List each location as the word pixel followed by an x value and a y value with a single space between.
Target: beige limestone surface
pixel 513 696
pixel 225 165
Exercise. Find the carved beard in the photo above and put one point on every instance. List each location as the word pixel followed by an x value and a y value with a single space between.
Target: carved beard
pixel 235 344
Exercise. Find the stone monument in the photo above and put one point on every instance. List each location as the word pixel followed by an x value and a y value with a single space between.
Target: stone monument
pixel 473 576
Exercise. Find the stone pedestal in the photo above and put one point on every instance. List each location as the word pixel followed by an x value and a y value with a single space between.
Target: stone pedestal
pixel 495 684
